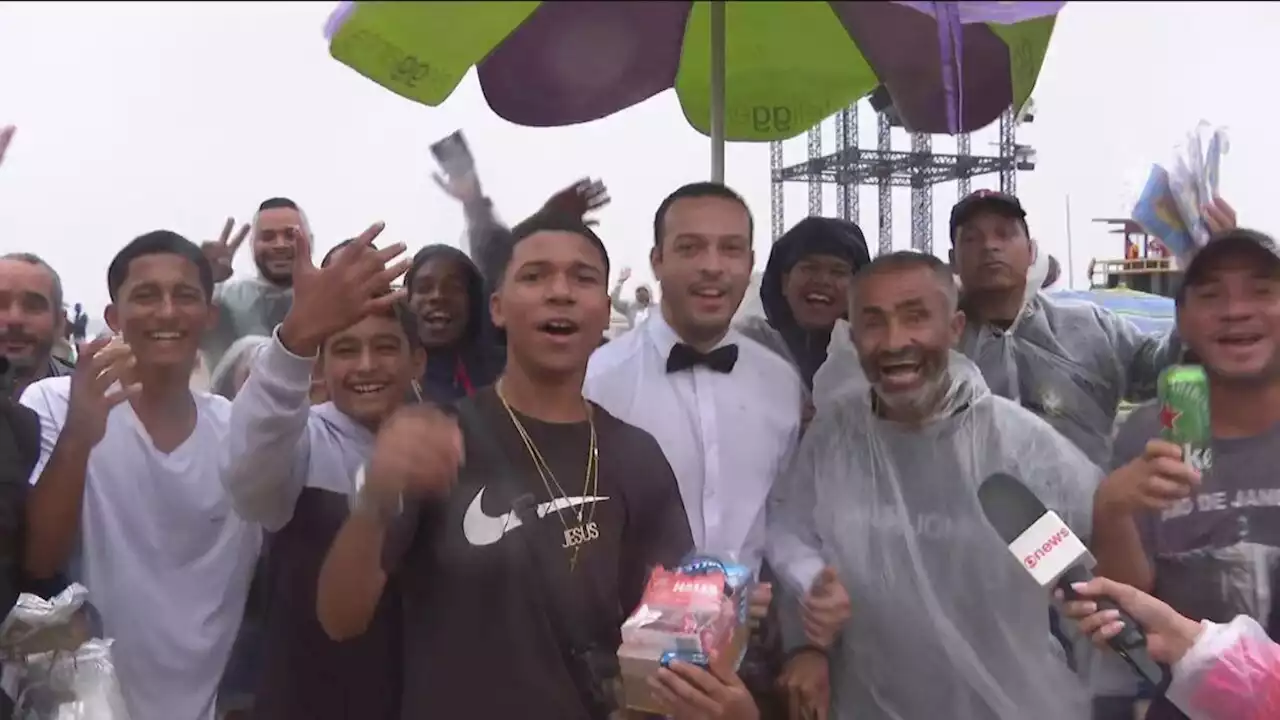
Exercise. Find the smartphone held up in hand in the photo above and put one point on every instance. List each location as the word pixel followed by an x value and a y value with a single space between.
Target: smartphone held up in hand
pixel 454 156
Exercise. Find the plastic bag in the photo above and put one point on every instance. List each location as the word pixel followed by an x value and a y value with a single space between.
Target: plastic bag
pixel 1231 673
pixel 53 669
pixel 36 625
pixel 696 613
pixel 1169 206
pixel 79 685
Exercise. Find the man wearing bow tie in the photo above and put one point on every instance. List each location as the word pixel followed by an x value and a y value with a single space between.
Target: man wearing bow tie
pixel 724 408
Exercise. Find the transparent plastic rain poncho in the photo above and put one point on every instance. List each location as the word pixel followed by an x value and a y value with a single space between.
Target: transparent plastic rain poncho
pixel 1231 673
pixel 1070 362
pixel 946 623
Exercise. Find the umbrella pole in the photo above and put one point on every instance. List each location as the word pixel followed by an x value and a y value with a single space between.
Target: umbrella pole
pixel 717 91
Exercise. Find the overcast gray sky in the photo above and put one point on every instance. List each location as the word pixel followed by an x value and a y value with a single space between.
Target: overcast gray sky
pixel 140 116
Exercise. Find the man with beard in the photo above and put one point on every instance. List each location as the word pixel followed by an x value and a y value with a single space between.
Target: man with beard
pixel 511 610
pixel 636 310
pixel 724 409
pixel 31 320
pixel 254 305
pixel 447 294
pixel 292 468
pixel 883 495
pixel 128 490
pixel 1202 533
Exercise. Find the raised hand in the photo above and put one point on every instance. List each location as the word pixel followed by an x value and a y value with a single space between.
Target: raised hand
pixel 465 188
pixel 103 362
pixel 355 284
pixel 579 199
pixel 6 135
pixel 220 252
pixel 825 609
pixel 1219 216
pixel 417 452
pixel 624 275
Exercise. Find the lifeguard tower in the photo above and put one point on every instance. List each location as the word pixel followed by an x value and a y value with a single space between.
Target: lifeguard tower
pixel 1146 266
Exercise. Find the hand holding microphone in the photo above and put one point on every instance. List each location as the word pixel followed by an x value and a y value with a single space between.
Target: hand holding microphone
pixel 825 609
pixel 1056 558
pixel 1169 635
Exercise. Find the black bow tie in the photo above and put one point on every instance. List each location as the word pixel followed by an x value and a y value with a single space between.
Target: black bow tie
pixel 684 357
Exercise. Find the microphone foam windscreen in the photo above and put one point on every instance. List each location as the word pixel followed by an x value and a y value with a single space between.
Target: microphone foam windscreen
pixel 1010 506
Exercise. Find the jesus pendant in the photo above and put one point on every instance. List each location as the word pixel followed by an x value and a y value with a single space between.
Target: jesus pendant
pixel 580 535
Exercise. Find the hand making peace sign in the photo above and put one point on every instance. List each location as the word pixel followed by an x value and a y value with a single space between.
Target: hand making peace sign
pixel 221 251
pixel 352 286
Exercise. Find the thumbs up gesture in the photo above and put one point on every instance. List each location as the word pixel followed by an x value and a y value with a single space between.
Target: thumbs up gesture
pixel 355 284
pixel 825 609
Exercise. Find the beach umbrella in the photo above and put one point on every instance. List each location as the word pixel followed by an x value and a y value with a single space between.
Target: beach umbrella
pixel 743 71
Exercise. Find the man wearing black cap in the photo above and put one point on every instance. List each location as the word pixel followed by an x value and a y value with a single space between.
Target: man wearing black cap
pixel 1206 538
pixel 1069 363
pixel 804 290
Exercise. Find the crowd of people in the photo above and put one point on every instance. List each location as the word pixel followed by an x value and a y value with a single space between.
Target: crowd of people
pixel 375 511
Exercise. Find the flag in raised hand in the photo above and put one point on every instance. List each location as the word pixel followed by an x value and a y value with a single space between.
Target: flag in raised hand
pixel 355 283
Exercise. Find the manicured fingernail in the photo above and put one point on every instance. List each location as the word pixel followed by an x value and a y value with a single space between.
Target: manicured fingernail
pixel 1079 587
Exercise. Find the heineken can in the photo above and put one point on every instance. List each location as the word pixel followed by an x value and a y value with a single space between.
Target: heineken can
pixel 1183 392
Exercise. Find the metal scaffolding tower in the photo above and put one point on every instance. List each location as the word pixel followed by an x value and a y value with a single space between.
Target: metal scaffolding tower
pixel 851 166
pixel 1008 149
pixel 815 156
pixel 775 189
pixel 884 190
pixel 921 193
pixel 847 140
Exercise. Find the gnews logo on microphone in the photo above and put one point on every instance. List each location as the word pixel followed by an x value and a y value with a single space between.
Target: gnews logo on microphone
pixel 1048 548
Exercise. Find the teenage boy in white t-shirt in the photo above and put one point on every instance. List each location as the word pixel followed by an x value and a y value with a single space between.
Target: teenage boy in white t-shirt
pixel 128 493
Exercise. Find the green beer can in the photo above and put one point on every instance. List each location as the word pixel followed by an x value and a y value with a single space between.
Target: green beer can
pixel 1183 393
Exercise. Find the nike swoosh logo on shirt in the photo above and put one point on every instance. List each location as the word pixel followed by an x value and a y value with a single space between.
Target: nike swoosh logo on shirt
pixel 481 529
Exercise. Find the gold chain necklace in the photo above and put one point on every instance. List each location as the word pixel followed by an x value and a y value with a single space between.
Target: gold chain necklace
pixel 585 530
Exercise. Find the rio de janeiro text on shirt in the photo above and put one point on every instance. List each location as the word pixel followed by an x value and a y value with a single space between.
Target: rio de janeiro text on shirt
pixel 1224 500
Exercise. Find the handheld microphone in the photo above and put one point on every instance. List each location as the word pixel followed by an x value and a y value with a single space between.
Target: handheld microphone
pixel 1055 557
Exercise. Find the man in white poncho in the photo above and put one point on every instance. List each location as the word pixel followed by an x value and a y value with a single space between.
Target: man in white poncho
pixel 945 623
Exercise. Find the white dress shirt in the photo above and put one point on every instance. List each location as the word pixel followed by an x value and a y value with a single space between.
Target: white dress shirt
pixel 727 436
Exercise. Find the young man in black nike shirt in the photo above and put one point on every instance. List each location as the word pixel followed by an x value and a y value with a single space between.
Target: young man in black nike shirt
pixel 522 532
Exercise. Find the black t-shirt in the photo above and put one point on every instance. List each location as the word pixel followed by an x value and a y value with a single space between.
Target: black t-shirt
pixel 1216 555
pixel 478 639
